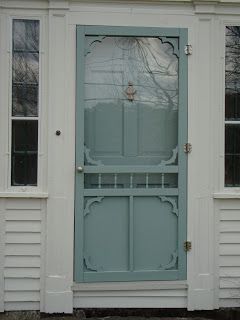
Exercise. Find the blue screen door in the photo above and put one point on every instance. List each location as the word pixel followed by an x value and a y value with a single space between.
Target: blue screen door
pixel 131 169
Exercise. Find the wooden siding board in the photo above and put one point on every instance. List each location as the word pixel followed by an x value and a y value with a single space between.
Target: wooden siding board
pixel 18 296
pixel 33 273
pixel 19 249
pixel 23 305
pixel 23 227
pixel 229 303
pixel 229 249
pixel 2 249
pixel 22 284
pixel 229 237
pixel 230 271
pixel 23 237
pixel 23 204
pixel 22 261
pixel 21 215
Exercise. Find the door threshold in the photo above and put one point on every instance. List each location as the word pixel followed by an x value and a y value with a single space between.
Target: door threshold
pixel 140 285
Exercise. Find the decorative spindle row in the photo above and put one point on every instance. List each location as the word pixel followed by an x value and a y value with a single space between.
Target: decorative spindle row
pixel 131 180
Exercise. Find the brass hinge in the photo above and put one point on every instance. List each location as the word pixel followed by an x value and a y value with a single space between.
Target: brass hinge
pixel 187 246
pixel 187 147
pixel 188 49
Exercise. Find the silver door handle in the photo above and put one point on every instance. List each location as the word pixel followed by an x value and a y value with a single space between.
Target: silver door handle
pixel 80 169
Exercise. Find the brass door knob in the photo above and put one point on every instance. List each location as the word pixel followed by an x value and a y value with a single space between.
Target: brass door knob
pixel 80 169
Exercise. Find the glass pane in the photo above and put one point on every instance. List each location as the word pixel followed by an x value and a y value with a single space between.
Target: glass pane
pixel 232 155
pixel 24 135
pixel 24 152
pixel 131 100
pixel 25 100
pixel 232 72
pixel 25 68
pixel 24 169
pixel 25 35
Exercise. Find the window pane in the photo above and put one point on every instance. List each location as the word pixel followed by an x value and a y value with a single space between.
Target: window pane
pixel 25 35
pixel 232 106
pixel 25 135
pixel 25 100
pixel 25 68
pixel 24 152
pixel 24 169
pixel 232 155
pixel 232 73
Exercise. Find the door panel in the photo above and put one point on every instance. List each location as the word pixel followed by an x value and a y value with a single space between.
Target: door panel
pixel 155 234
pixel 130 218
pixel 106 234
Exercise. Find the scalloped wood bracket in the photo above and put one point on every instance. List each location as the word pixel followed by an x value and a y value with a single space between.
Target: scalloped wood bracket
pixel 89 204
pixel 172 202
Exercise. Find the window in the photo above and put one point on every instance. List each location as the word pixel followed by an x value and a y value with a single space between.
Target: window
pixel 232 107
pixel 25 102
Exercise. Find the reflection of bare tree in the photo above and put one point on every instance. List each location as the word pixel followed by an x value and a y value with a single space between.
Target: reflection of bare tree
pixel 232 58
pixel 25 67
pixel 166 91
pixel 149 64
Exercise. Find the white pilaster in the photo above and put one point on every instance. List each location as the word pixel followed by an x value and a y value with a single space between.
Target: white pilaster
pixel 201 227
pixel 60 217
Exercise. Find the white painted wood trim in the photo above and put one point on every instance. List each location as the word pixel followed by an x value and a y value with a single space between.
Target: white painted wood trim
pixel 227 195
pixel 58 295
pixel 123 286
pixel 36 195
pixel 41 118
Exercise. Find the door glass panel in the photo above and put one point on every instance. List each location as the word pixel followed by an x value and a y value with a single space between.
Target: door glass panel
pixel 131 103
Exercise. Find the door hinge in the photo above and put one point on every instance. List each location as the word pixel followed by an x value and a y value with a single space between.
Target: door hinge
pixel 187 246
pixel 188 49
pixel 187 147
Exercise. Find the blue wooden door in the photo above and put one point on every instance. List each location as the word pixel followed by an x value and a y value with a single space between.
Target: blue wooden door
pixel 131 169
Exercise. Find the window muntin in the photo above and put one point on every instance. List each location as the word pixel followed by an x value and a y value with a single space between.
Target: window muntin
pixel 232 107
pixel 25 102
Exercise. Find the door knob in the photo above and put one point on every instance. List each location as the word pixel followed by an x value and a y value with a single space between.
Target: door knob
pixel 80 169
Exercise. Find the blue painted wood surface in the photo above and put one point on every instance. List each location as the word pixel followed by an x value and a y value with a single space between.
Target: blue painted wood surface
pixel 130 201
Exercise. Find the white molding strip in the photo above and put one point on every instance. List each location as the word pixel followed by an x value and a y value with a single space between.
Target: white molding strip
pixel 27 195
pixel 122 286
pixel 227 195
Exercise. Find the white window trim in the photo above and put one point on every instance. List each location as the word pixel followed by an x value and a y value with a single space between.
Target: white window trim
pixel 41 188
pixel 222 191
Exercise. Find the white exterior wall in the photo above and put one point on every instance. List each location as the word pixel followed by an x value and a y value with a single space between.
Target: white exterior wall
pixel 22 253
pixel 228 214
pixel 36 225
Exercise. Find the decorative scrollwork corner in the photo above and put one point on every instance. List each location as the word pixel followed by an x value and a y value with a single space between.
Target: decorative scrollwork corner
pixel 89 203
pixel 172 159
pixel 172 202
pixel 91 45
pixel 173 42
pixel 88 265
pixel 172 262
pixel 89 159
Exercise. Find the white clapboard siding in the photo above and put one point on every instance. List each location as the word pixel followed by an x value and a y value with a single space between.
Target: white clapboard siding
pixel 229 250
pixel 21 305
pixel 23 247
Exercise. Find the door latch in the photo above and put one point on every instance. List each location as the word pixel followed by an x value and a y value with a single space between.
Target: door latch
pixel 187 246
pixel 187 147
